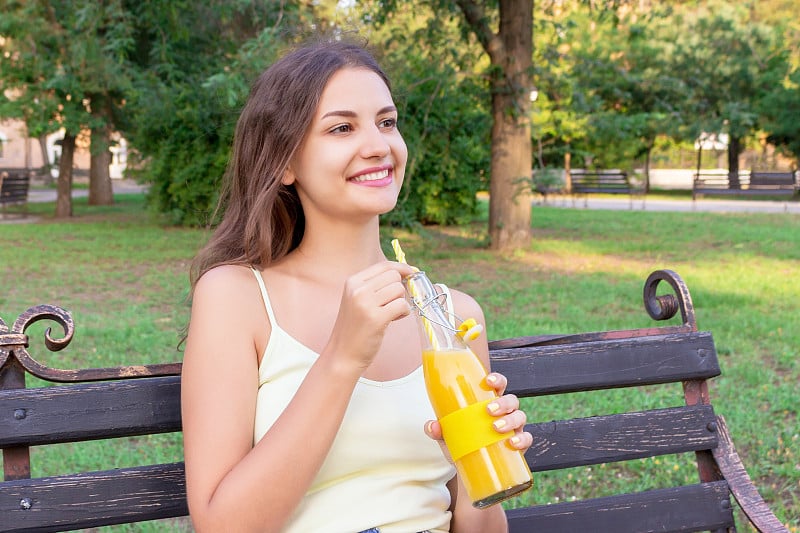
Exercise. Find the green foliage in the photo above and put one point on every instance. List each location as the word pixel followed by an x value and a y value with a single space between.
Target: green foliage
pixel 59 58
pixel 447 133
pixel 183 111
pixel 444 114
pixel 781 109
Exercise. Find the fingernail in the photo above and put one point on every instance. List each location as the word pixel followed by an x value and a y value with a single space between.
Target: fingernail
pixel 493 407
pixel 428 427
pixel 499 424
pixel 515 440
pixel 491 378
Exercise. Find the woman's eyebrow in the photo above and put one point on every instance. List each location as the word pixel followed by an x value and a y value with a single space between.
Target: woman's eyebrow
pixel 348 113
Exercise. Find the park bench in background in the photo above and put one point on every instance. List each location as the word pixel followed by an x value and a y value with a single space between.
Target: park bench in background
pixel 139 400
pixel 604 182
pixel 774 182
pixel 14 187
pixel 755 183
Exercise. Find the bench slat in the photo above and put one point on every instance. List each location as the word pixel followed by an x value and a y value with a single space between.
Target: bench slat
pixel 88 411
pixel 540 370
pixel 93 499
pixel 620 437
pixel 700 507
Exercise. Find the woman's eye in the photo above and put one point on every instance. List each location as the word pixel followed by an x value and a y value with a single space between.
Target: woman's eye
pixel 388 123
pixel 341 128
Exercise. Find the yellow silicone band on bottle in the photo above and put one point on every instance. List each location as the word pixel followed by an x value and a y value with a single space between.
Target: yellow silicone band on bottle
pixel 469 429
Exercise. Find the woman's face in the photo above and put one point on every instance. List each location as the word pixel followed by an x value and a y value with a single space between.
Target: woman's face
pixel 352 161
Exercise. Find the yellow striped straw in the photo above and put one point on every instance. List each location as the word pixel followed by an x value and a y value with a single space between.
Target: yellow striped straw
pixel 426 325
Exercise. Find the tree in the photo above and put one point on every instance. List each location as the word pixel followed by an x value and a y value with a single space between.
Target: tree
pixel 63 64
pixel 725 59
pixel 510 51
pixel 444 115
pixel 631 95
pixel 781 111
pixel 194 63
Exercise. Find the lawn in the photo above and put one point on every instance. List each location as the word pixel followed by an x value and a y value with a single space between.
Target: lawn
pixel 123 276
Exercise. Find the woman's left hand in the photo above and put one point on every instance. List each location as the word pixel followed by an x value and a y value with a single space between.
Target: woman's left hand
pixel 508 416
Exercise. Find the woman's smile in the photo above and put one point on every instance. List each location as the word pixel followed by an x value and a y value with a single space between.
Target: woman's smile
pixel 377 178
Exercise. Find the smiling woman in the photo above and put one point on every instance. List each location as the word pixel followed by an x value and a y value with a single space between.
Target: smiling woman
pixel 296 312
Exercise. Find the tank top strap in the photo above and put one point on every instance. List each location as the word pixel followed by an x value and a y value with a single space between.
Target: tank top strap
pixel 448 303
pixel 265 296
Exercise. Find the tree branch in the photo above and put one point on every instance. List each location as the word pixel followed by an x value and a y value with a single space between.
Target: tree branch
pixel 477 20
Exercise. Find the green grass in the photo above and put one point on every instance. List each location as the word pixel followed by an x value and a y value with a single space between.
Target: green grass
pixel 123 276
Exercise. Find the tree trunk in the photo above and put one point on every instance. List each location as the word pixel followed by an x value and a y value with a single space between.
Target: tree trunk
pixel 47 175
pixel 64 191
pixel 647 168
pixel 100 189
pixel 734 149
pixel 510 52
pixel 509 189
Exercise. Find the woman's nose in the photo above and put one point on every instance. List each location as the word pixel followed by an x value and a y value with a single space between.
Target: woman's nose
pixel 374 143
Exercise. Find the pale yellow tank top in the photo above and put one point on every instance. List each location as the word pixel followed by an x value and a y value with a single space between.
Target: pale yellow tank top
pixel 382 470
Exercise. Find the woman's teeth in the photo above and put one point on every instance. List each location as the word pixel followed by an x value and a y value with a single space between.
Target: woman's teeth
pixel 372 176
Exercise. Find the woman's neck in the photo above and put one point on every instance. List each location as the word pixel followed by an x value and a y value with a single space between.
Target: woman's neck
pixel 339 250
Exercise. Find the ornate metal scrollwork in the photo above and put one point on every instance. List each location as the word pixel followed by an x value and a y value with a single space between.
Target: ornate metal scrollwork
pixel 658 307
pixel 665 306
pixel 14 346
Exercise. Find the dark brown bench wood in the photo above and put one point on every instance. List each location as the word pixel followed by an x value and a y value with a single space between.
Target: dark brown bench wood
pixel 14 187
pixel 755 183
pixel 114 402
pixel 584 183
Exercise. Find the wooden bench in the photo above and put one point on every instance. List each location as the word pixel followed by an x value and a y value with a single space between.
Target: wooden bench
pixel 113 402
pixel 603 182
pixel 753 184
pixel 14 186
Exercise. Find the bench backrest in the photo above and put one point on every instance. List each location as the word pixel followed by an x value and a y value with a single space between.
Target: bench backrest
pixel 125 401
pixel 711 181
pixel 136 403
pixel 754 181
pixel 14 186
pixel 607 181
pixel 590 365
pixel 773 180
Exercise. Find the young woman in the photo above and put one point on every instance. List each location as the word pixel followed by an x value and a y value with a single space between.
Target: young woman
pixel 304 406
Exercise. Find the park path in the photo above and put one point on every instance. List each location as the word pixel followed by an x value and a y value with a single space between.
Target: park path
pixel 705 204
pixel 621 203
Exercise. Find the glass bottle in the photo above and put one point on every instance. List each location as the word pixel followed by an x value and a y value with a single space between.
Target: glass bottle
pixel 490 469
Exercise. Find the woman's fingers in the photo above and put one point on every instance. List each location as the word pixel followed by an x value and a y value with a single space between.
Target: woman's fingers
pixel 498 382
pixel 522 440
pixel 433 429
pixel 511 422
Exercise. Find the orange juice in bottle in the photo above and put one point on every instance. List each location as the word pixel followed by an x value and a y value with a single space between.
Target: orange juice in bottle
pixel 455 378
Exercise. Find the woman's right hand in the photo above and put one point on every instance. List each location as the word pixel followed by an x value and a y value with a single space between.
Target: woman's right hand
pixel 371 300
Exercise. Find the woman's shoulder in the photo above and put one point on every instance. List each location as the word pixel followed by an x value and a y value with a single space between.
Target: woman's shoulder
pixel 224 274
pixel 226 282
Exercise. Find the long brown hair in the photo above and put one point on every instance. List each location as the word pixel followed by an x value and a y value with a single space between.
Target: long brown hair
pixel 263 219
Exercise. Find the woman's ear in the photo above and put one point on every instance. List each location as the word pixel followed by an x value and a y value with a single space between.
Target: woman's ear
pixel 288 177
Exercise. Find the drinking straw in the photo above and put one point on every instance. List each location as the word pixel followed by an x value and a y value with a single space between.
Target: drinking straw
pixel 426 324
pixel 468 330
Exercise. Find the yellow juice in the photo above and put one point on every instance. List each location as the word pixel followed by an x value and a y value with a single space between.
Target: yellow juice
pixel 489 467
